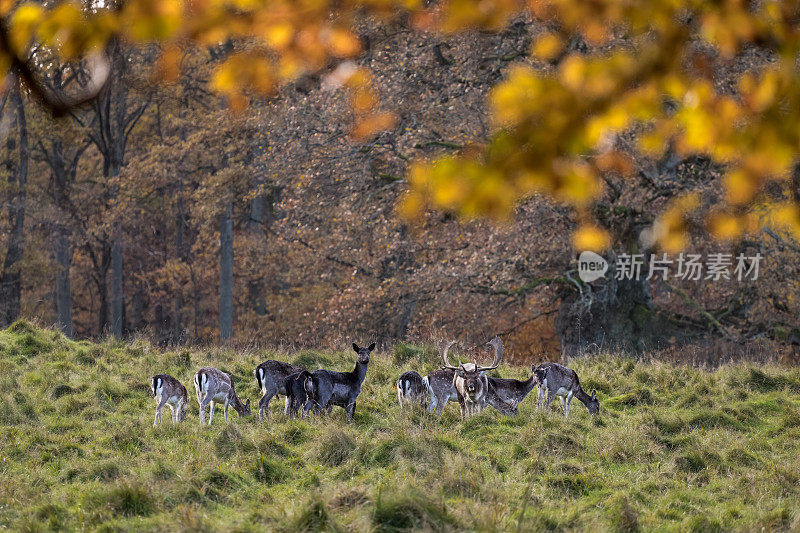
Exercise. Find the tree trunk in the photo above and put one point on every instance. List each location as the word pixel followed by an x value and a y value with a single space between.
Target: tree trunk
pixel 255 287
pixel 117 296
pixel 10 277
pixel 612 315
pixel 177 313
pixel 63 289
pixel 226 274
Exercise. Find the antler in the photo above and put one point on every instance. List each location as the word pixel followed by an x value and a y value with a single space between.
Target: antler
pixel 498 355
pixel 444 355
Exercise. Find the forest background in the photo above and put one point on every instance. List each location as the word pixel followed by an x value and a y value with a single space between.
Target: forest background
pixel 176 205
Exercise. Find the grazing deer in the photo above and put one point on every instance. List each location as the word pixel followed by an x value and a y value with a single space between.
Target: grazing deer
pixel 505 395
pixel 439 384
pixel 471 383
pixel 339 388
pixel 271 378
pixel 559 380
pixel 169 391
pixel 214 386
pixel 299 389
pixel 411 389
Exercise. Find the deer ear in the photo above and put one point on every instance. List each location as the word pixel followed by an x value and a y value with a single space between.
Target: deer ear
pixel 356 348
pixel 248 402
pixel 594 394
pixel 371 347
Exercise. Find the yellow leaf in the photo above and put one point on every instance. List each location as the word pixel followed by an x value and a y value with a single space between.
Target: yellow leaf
pixel 547 47
pixel 590 237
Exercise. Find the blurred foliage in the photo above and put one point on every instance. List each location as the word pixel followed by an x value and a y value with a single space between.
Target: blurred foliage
pixel 650 65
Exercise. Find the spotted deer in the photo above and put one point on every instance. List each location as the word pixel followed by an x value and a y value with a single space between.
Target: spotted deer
pixel 214 386
pixel 439 384
pixel 169 391
pixel 558 380
pixel 411 389
pixel 339 388
pixel 271 378
pixel 471 383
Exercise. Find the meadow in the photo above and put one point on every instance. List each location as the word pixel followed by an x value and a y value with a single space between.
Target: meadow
pixel 674 448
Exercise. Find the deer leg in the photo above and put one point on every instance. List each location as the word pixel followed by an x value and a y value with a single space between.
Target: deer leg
pixel 567 401
pixel 550 396
pixel 227 402
pixel 263 404
pixel 432 404
pixel 211 414
pixel 540 398
pixel 351 411
pixel 203 403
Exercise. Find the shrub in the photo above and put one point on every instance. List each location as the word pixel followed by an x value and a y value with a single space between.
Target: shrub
pixel 410 511
pixel 267 470
pixel 335 448
pixel 130 500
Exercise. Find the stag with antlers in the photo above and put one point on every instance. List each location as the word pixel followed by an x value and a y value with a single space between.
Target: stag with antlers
pixel 471 383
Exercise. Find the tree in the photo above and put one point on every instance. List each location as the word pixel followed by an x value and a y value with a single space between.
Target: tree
pixel 16 171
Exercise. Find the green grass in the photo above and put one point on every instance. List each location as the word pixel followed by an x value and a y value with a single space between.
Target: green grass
pixel 675 448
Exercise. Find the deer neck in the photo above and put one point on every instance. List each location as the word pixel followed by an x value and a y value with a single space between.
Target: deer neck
pixel 236 402
pixel 529 384
pixel 582 396
pixel 360 372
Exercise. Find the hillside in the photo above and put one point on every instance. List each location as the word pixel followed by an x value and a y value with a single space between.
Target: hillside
pixel 676 447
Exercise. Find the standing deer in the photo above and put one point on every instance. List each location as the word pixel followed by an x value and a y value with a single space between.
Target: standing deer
pixel 299 390
pixel 411 389
pixel 340 388
pixel 439 384
pixel 505 395
pixel 559 380
pixel 471 383
pixel 214 386
pixel 169 391
pixel 271 378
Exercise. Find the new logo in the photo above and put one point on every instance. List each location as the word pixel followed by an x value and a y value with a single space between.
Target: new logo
pixel 591 266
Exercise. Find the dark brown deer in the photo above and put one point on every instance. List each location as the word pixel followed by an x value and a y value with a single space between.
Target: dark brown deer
pixel 411 389
pixel 471 383
pixel 504 394
pixel 559 380
pixel 299 389
pixel 339 388
pixel 271 378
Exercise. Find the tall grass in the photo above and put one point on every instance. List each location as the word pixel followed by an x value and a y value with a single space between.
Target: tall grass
pixel 675 447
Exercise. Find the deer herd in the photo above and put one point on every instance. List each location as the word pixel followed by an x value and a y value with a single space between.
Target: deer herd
pixel 467 383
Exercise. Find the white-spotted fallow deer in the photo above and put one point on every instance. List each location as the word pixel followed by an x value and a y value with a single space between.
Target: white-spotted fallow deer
pixel 471 383
pixel 169 391
pixel 214 386
pixel 559 380
pixel 439 384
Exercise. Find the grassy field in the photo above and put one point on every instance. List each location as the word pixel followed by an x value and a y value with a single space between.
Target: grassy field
pixel 675 448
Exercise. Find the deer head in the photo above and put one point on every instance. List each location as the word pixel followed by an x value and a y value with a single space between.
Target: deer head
pixel 470 375
pixel 363 353
pixel 594 404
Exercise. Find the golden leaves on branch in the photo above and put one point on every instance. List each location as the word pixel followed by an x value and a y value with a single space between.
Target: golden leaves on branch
pixel 557 130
